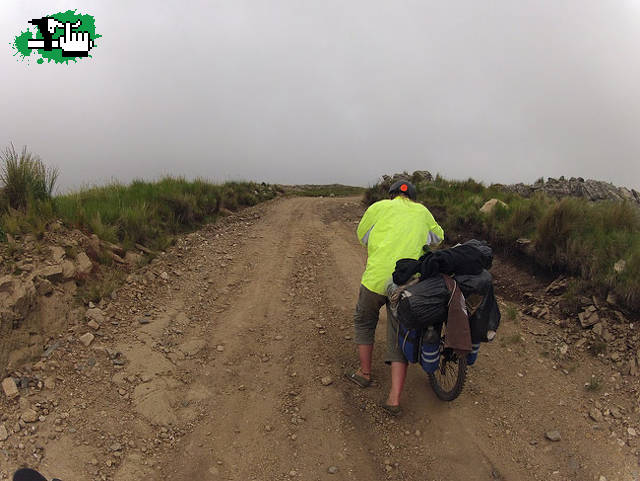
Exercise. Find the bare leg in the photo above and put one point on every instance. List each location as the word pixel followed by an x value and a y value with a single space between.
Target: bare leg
pixel 365 353
pixel 398 375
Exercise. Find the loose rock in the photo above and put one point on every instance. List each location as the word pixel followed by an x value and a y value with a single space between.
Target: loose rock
pixel 596 415
pixel 326 381
pixel 68 270
pixel 588 318
pixel 85 266
pixel 10 389
pixel 50 382
pixel 87 339
pixel 553 436
pixel 29 416
pixel 57 253
pixel 96 315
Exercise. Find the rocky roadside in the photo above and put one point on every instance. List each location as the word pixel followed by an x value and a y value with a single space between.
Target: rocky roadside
pixel 39 279
pixel 583 337
pixel 110 388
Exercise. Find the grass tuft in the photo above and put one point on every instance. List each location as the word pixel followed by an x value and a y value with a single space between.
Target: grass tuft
pixel 24 178
pixel 594 384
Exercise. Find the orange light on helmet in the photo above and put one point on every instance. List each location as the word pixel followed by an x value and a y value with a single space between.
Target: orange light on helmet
pixel 404 187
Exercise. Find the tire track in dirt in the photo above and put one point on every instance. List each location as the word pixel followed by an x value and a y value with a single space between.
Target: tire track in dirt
pixel 260 402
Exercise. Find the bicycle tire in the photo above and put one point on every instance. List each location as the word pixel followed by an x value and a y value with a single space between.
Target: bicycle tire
pixel 461 375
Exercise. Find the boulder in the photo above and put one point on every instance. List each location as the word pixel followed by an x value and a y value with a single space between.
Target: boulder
pixel 17 295
pixel 68 270
pixel 422 176
pixel 588 318
pixel 84 264
pixel 133 259
pixel 57 253
pixel 490 205
pixel 45 287
pixel 95 315
pixel 51 273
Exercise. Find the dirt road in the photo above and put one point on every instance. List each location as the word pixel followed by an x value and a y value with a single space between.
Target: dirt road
pixel 224 378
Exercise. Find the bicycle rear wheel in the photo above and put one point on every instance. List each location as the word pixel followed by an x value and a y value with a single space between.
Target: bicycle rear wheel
pixel 448 380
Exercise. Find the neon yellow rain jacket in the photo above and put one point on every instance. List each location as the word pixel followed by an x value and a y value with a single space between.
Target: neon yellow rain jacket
pixel 391 230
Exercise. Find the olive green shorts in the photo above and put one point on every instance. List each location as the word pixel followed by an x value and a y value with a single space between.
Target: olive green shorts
pixel 365 322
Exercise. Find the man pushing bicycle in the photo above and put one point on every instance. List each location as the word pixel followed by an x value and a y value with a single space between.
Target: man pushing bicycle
pixel 391 229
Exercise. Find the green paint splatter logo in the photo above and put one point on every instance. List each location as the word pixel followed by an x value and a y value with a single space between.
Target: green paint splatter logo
pixel 58 37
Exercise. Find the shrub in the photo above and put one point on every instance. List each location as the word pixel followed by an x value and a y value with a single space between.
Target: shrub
pixel 25 178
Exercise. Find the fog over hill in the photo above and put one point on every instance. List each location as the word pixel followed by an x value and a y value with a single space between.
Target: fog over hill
pixel 323 92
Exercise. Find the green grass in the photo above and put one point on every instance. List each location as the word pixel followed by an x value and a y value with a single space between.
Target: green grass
pixel 594 384
pixel 149 213
pixel 598 347
pixel 571 235
pixel 512 339
pixel 101 286
pixel 511 312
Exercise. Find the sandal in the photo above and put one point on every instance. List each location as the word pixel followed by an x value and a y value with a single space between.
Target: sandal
pixel 353 376
pixel 391 410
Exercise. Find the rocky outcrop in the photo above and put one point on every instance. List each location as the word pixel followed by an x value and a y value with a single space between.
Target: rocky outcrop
pixel 417 177
pixel 593 190
pixel 38 279
pixel 17 298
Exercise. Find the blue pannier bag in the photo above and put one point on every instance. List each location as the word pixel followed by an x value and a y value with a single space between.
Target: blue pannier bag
pixel 430 350
pixel 409 342
pixel 430 357
pixel 473 355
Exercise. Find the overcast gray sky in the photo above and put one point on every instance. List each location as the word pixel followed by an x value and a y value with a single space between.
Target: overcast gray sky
pixel 295 91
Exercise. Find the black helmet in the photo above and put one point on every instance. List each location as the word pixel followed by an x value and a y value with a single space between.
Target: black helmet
pixel 403 187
